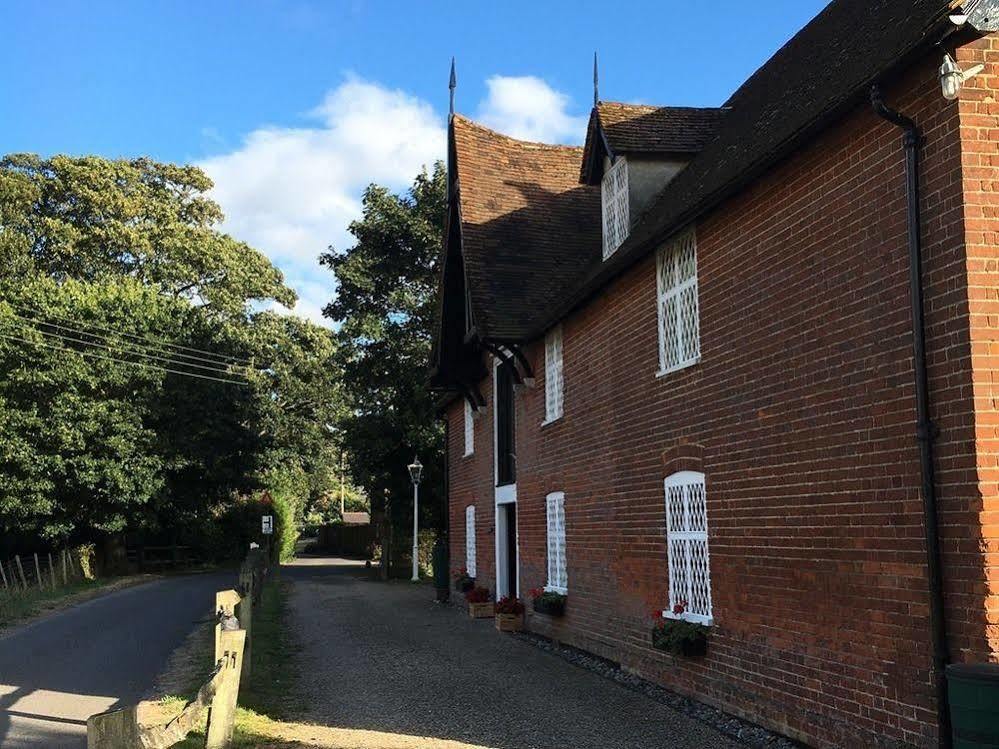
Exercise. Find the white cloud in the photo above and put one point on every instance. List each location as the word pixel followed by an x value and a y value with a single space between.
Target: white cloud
pixel 526 107
pixel 292 191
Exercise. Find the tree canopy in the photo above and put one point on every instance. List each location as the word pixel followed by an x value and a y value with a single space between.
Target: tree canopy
pixel 142 388
pixel 385 310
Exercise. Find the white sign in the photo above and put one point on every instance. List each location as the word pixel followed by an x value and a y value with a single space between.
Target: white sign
pixel 267 524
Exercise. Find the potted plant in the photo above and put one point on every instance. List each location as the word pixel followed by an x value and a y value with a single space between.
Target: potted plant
pixel 479 605
pixel 509 614
pixel 548 602
pixel 679 636
pixel 463 582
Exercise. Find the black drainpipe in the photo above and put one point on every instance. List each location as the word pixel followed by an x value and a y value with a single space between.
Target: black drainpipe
pixel 926 431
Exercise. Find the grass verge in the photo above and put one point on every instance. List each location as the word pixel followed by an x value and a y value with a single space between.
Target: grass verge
pixel 25 604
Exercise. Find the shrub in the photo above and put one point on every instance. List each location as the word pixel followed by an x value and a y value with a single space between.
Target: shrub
pixel 679 636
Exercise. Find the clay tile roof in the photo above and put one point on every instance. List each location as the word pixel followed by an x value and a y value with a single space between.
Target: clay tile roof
pixel 823 70
pixel 640 128
pixel 529 229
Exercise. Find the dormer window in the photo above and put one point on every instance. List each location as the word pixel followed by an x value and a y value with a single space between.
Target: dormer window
pixel 614 199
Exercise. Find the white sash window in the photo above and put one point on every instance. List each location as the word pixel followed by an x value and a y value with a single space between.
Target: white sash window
pixel 614 202
pixel 470 540
pixel 679 323
pixel 558 572
pixel 687 546
pixel 469 429
pixel 553 374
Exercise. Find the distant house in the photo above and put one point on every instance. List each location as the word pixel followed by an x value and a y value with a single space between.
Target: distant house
pixel 677 366
pixel 356 518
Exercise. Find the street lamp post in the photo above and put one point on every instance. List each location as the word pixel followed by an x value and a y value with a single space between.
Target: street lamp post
pixel 415 471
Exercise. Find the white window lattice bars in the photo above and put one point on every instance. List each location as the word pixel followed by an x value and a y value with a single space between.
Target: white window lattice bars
pixel 470 540
pixel 554 382
pixel 558 570
pixel 687 546
pixel 614 205
pixel 469 429
pixel 679 319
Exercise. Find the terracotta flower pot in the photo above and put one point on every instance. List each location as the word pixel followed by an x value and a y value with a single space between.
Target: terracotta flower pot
pixel 509 622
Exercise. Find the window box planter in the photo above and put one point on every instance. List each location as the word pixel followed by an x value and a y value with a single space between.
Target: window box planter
pixel 480 610
pixel 479 605
pixel 680 637
pixel 548 602
pixel 509 614
pixel 509 622
pixel 464 583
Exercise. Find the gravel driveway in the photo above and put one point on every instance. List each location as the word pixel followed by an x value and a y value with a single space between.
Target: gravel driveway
pixel 383 656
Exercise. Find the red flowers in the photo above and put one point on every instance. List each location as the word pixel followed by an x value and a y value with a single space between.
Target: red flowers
pixel 477 595
pixel 536 592
pixel 508 605
pixel 680 607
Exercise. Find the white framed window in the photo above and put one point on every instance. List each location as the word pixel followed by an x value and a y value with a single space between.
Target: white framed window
pixel 469 429
pixel 687 546
pixel 679 323
pixel 553 374
pixel 470 540
pixel 558 571
pixel 614 202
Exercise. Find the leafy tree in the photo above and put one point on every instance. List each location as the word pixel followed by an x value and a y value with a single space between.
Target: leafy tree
pixel 96 439
pixel 385 311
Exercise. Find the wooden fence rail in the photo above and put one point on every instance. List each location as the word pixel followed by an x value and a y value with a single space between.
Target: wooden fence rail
pixel 46 571
pixel 218 696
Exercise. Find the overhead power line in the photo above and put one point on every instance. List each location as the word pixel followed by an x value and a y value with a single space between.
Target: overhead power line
pixel 143 340
pixel 141 365
pixel 119 349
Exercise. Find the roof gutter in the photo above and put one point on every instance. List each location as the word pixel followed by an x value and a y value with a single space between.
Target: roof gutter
pixel 926 430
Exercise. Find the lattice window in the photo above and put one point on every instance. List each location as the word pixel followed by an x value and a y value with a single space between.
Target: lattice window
pixel 679 324
pixel 553 374
pixel 558 571
pixel 470 540
pixel 469 429
pixel 687 545
pixel 614 201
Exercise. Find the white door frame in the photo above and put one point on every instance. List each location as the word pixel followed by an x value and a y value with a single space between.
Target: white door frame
pixel 503 495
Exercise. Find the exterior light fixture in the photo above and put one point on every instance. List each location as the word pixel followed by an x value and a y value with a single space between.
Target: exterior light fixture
pixel 415 473
pixel 952 77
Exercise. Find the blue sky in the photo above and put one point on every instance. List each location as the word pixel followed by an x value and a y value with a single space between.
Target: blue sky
pixel 293 107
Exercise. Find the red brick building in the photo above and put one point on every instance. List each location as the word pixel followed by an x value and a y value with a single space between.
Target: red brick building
pixel 679 364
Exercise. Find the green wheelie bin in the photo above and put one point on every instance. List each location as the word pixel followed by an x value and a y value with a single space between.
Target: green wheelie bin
pixel 973 694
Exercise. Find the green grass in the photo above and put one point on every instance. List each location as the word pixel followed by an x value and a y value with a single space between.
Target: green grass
pixel 24 604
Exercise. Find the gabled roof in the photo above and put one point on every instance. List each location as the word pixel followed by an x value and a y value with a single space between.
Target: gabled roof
pixel 529 230
pixel 639 128
pixel 823 70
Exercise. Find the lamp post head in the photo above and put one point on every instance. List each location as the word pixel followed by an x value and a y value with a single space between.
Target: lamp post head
pixel 415 471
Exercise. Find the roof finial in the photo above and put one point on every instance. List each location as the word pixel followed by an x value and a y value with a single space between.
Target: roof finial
pixel 596 81
pixel 452 84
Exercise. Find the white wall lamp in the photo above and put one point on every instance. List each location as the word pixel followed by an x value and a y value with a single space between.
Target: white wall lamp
pixel 952 77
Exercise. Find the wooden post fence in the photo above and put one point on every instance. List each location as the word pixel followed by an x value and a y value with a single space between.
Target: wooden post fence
pixel 52 571
pixel 4 576
pixel 38 573
pixel 119 729
pixel 222 714
pixel 20 568
pixel 65 579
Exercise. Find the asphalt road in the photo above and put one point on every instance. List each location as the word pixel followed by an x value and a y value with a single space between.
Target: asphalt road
pixel 107 652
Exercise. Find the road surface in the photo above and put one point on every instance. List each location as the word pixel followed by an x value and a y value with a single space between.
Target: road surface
pixel 383 657
pixel 107 652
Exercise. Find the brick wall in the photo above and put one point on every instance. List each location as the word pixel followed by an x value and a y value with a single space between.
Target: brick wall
pixel 801 415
